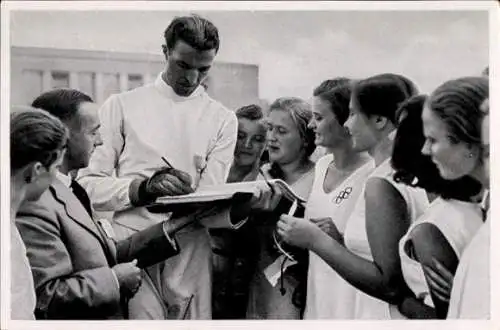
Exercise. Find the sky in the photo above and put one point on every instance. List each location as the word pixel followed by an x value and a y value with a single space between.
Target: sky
pixel 295 50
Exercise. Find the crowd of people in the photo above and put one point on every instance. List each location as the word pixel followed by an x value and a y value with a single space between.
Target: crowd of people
pixel 395 223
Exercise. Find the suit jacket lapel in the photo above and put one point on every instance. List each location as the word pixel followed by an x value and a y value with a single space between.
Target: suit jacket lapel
pixel 75 210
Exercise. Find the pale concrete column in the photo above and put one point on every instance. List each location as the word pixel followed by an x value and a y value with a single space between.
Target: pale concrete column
pixel 46 80
pixel 148 78
pixel 123 82
pixel 99 87
pixel 73 80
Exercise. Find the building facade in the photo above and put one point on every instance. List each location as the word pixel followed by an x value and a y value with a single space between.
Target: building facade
pixel 100 74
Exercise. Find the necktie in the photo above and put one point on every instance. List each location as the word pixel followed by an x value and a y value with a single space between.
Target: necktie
pixel 82 196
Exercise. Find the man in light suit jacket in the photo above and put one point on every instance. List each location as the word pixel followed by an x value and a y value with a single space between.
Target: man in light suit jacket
pixel 79 270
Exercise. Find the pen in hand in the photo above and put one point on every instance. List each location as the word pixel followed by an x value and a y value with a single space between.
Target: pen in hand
pixel 184 177
pixel 166 162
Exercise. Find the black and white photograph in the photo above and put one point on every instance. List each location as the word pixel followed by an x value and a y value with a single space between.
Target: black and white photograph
pixel 230 162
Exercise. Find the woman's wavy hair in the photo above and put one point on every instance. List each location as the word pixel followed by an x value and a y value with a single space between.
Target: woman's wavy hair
pixel 250 112
pixel 382 94
pixel 35 136
pixel 457 103
pixel 416 169
pixel 301 114
pixel 338 96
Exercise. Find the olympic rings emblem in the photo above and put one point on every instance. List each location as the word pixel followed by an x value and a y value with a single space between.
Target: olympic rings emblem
pixel 342 195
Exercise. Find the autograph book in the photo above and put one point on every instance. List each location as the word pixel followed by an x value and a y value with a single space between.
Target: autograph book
pixel 225 193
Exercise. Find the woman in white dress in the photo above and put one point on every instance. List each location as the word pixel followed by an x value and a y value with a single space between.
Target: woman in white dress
pixel 451 166
pixel 329 296
pixel 471 292
pixel 290 144
pixel 369 260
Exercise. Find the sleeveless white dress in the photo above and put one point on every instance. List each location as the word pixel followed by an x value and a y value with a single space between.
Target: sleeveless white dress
pixel 471 292
pixel 458 222
pixel 329 296
pixel 356 240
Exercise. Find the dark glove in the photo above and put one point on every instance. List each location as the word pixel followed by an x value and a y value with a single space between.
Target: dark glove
pixel 164 182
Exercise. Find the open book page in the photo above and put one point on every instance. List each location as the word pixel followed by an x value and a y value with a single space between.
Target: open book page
pixel 227 191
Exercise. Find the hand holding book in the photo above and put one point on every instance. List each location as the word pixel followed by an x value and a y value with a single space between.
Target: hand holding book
pixel 165 181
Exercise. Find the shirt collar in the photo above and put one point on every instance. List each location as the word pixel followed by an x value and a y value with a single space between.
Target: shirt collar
pixel 168 91
pixel 65 179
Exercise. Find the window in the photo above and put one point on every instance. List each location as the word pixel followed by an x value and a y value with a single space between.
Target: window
pixel 135 80
pixel 60 79
pixel 32 85
pixel 86 83
pixel 110 84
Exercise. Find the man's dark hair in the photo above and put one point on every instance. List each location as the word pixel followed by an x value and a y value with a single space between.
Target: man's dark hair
pixel 196 31
pixel 62 103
